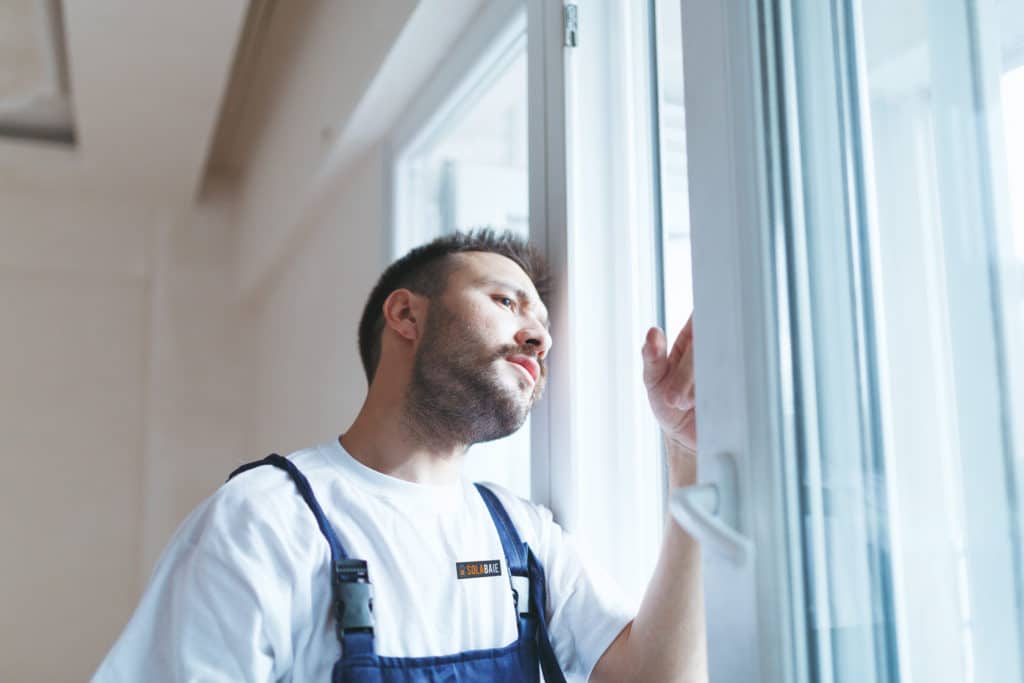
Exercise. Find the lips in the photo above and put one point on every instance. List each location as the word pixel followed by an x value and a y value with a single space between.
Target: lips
pixel 529 364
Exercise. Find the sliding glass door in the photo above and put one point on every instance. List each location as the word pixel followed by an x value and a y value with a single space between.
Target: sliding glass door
pixel 872 249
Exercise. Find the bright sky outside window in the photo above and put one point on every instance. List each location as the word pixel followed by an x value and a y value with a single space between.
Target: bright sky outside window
pixel 471 168
pixel 675 207
pixel 1013 134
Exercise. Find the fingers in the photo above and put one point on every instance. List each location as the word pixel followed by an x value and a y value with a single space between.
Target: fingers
pixel 653 353
pixel 672 375
pixel 679 382
pixel 683 342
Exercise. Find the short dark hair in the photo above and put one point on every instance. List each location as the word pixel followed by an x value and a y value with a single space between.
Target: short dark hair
pixel 425 270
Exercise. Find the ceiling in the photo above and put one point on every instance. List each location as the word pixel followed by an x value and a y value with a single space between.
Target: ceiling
pixel 147 82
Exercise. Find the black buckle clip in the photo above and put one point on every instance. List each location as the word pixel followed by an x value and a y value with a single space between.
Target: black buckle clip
pixel 353 597
pixel 521 594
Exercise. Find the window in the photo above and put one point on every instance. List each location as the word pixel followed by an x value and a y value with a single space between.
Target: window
pixel 858 275
pixel 595 119
pixel 460 162
pixel 468 168
pixel 912 526
pixel 623 107
pixel 1012 95
pixel 674 208
pixel 855 213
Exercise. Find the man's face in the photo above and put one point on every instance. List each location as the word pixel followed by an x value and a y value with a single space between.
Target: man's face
pixel 482 361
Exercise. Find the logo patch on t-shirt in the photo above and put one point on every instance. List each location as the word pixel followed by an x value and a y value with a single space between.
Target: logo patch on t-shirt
pixel 474 570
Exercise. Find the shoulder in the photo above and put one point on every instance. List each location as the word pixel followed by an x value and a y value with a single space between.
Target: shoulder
pixel 231 589
pixel 260 502
pixel 270 481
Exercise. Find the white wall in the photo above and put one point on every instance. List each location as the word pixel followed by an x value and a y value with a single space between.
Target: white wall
pixel 317 63
pixel 73 349
pixel 305 261
pixel 121 407
pixel 309 380
pixel 312 221
pixel 145 351
pixel 198 357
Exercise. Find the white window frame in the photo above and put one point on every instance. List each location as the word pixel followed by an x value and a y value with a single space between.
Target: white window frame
pixel 552 477
pixel 486 46
pixel 753 618
pixel 606 470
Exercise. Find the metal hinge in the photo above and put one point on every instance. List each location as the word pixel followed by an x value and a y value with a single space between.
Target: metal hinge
pixel 570 23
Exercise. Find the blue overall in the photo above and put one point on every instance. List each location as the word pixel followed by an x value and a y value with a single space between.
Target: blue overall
pixel 352 609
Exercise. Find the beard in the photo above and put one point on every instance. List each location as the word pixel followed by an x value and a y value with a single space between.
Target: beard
pixel 456 395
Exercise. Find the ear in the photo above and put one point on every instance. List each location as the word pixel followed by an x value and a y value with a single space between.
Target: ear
pixel 405 313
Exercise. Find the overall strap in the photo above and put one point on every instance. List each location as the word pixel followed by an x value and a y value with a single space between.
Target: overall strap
pixel 515 553
pixel 302 484
pixel 352 591
pixel 548 661
pixel 523 563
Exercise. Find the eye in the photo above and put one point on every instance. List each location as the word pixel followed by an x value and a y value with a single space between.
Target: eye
pixel 505 301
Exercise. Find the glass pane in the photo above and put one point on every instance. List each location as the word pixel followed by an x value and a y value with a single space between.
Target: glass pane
pixel 956 563
pixel 1012 91
pixel 469 170
pixel 677 273
pixel 908 295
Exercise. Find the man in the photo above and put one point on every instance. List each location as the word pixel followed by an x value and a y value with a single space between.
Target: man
pixel 369 558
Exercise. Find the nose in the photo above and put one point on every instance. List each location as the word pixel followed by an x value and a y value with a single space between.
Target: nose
pixel 536 336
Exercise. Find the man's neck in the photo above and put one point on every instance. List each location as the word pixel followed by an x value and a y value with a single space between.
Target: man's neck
pixel 382 438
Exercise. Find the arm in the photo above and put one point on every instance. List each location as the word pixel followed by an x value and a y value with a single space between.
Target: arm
pixel 666 639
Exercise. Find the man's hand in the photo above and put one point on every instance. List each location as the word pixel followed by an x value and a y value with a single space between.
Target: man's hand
pixel 666 640
pixel 669 382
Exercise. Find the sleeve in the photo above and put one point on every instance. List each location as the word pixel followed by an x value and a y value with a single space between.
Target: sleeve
pixel 217 607
pixel 586 609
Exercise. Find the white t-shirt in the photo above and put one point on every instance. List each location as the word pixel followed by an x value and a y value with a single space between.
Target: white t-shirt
pixel 243 591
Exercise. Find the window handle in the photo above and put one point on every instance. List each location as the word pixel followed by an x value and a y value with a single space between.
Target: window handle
pixel 696 509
